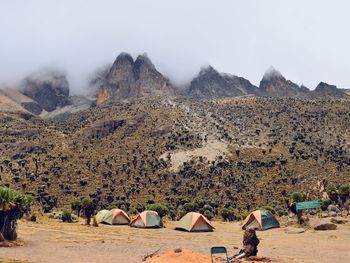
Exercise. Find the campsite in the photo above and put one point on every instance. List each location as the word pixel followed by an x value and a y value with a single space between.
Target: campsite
pixel 174 131
pixel 48 240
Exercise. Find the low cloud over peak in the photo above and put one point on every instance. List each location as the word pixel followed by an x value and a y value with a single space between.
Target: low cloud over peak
pixel 239 37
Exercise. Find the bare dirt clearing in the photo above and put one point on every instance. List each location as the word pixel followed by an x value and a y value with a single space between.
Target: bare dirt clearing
pixel 210 151
pixel 50 241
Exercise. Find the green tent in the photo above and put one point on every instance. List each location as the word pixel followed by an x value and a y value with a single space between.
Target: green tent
pixel 147 219
pixel 260 220
pixel 113 217
pixel 194 222
pixel 101 215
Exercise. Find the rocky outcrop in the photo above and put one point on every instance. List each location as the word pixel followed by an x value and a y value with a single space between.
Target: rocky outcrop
pixel 76 104
pixel 22 100
pixel 274 84
pixel 49 89
pixel 324 90
pixel 129 79
pixel 211 84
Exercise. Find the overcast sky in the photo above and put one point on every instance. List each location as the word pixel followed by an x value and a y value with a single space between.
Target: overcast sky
pixel 307 40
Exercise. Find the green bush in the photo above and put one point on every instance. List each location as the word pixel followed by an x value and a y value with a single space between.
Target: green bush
pixel 67 216
pixel 226 214
pixel 344 189
pixel 180 212
pixel 85 201
pixel 162 210
pixel 325 203
pixel 208 214
pixel 280 211
pixel 331 189
pixel 13 205
pixel 77 206
pixel 297 197
pixel 190 207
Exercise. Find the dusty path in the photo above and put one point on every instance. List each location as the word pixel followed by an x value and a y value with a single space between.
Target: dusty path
pixel 51 241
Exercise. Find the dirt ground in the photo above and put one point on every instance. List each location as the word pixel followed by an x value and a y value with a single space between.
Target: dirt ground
pixel 51 241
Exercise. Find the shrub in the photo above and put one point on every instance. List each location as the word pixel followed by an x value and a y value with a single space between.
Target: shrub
pixel 280 211
pixel 325 203
pixel 190 207
pixel 331 189
pixel 162 210
pixel 332 193
pixel 227 214
pixel 77 206
pixel 208 214
pixel 344 189
pixel 296 197
pixel 180 212
pixel 89 207
pixel 67 216
pixel 13 205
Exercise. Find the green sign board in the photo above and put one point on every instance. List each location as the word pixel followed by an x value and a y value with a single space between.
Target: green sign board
pixel 308 205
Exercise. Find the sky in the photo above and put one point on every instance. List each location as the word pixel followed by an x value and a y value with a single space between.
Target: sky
pixel 307 41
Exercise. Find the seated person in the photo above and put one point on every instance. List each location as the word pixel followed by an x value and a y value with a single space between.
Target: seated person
pixel 250 244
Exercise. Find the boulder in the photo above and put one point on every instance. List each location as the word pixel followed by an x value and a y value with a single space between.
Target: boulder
pixel 332 214
pixel 333 208
pixel 322 226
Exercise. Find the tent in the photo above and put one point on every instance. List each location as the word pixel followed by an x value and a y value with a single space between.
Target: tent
pixel 113 217
pixel 194 222
pixel 260 220
pixel 147 219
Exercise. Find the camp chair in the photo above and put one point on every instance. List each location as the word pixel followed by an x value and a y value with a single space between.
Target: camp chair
pixel 218 250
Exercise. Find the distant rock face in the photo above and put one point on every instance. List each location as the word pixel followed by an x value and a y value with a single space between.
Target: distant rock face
pixel 324 90
pixel 274 84
pixel 22 100
pixel 212 84
pixel 76 104
pixel 133 79
pixel 49 89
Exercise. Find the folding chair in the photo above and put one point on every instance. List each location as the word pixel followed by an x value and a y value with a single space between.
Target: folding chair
pixel 218 250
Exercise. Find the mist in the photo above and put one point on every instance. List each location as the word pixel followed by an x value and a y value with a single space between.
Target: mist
pixel 307 41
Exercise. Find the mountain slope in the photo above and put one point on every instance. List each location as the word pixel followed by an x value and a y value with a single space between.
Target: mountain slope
pixel 121 153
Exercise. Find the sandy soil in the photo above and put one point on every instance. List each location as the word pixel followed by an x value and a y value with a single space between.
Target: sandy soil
pixel 51 241
pixel 210 151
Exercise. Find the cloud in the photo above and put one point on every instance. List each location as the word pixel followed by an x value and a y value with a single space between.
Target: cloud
pixel 305 40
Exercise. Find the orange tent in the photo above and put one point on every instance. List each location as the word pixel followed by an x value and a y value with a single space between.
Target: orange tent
pixel 194 222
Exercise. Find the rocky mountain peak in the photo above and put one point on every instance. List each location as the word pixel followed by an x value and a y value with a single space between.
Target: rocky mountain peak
pixel 50 89
pixel 207 70
pixel 274 84
pixel 129 79
pixel 326 90
pixel 271 73
pixel 209 83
